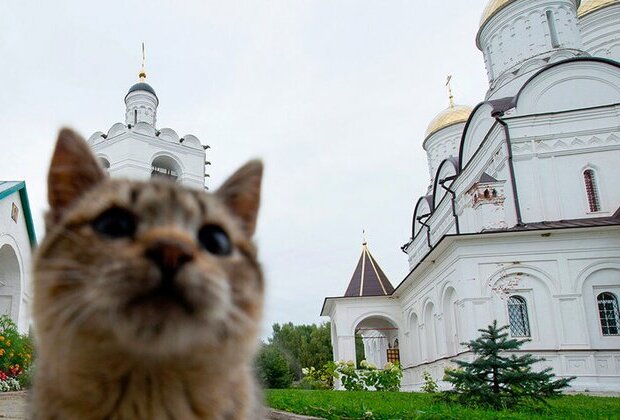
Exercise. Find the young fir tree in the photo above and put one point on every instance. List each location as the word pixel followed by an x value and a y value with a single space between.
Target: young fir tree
pixel 497 380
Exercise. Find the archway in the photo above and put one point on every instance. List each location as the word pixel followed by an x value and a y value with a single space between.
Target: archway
pixel 10 282
pixel 165 166
pixel 377 341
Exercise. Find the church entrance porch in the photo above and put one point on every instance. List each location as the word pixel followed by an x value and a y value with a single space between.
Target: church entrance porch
pixel 376 342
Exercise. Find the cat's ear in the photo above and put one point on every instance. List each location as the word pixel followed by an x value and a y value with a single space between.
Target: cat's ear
pixel 241 193
pixel 73 171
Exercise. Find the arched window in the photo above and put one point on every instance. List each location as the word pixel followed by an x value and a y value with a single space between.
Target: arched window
pixel 608 313
pixel 105 163
pixel 594 201
pixel 517 315
pixel 165 166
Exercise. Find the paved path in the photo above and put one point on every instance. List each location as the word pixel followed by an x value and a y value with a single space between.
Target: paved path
pixel 13 406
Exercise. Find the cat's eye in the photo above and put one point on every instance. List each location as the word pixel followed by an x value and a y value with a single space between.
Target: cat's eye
pixel 215 240
pixel 115 223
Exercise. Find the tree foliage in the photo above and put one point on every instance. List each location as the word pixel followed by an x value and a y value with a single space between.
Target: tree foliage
pixel 272 370
pixel 497 380
pixel 302 345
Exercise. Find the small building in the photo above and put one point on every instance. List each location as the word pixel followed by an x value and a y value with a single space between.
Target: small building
pixel 17 241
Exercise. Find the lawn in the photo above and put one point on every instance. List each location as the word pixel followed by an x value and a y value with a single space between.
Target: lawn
pixel 402 405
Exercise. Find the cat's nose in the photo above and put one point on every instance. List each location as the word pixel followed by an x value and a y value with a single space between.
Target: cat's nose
pixel 169 255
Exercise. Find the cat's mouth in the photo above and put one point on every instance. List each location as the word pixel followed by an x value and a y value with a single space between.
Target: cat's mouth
pixel 167 296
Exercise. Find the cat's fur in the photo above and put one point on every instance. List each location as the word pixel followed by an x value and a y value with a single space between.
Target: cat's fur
pixel 110 344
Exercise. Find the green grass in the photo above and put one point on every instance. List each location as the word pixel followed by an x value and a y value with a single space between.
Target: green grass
pixel 402 405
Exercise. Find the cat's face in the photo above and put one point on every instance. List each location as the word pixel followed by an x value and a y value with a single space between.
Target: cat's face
pixel 154 267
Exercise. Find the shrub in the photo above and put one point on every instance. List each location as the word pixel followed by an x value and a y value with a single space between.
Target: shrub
pixel 15 355
pixel 368 377
pixel 322 378
pixel 498 381
pixel 430 385
pixel 272 370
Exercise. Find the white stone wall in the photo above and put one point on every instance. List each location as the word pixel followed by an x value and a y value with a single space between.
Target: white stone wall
pixel 559 276
pixel 15 262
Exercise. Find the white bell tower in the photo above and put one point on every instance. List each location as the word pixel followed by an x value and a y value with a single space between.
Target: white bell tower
pixel 137 149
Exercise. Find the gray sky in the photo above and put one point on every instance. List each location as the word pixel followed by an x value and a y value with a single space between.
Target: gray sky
pixel 333 95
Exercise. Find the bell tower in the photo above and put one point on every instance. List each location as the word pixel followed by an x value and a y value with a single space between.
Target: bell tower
pixel 137 149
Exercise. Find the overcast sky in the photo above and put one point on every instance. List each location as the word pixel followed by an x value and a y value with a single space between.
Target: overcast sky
pixel 333 95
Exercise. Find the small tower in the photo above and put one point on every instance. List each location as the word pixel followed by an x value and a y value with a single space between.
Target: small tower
pixel 137 149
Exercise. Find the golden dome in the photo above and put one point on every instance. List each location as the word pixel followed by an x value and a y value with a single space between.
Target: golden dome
pixel 449 116
pixel 589 6
pixel 492 8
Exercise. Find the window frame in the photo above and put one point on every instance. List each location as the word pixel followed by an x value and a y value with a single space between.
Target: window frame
pixel 524 314
pixel 592 189
pixel 615 312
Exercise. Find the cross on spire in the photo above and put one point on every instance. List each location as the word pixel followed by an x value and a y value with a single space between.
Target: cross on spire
pixel 450 95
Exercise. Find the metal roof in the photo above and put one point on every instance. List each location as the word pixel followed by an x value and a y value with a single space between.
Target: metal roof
pixel 368 279
pixel 142 86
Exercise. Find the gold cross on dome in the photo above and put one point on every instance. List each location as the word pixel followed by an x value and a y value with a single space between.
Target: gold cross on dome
pixel 450 95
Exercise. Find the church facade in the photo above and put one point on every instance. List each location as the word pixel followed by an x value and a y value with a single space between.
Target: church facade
pixel 521 220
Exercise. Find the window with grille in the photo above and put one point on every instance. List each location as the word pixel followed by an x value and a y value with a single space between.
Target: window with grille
pixel 594 203
pixel 608 313
pixel 517 315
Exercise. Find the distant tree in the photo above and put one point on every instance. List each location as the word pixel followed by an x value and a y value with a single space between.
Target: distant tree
pixel 272 370
pixel 499 381
pixel 302 345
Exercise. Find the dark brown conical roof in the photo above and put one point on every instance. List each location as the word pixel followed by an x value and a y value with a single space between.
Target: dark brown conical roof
pixel 368 279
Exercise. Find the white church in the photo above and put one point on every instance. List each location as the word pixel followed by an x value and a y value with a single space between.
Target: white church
pixel 521 219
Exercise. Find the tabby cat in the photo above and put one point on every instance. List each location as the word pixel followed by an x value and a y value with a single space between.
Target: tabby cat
pixel 147 295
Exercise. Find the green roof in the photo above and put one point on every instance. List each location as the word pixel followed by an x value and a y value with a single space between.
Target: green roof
pixel 9 187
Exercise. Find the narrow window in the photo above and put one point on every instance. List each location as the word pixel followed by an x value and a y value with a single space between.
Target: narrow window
pixel 135 116
pixel 608 313
pixel 555 42
pixel 594 203
pixel 517 315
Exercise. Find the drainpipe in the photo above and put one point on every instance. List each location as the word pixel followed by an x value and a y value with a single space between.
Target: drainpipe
pixel 428 228
pixel 456 217
pixel 512 169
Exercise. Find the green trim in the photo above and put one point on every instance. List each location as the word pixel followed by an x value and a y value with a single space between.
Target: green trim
pixel 23 195
pixel 18 186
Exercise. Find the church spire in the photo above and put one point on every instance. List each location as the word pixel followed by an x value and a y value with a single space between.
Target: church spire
pixel 142 74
